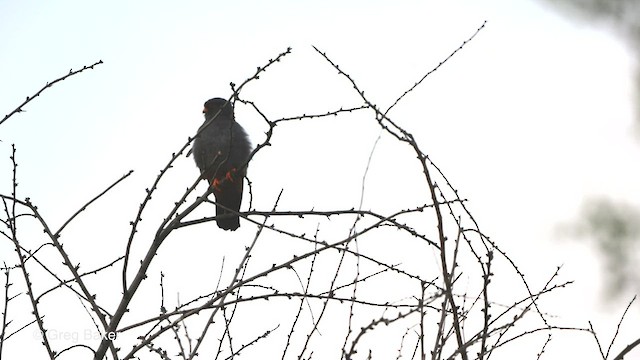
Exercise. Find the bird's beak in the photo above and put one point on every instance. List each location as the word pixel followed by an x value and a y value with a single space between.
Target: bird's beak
pixel 204 110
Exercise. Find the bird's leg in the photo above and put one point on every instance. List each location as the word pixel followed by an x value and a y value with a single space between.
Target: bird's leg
pixel 230 173
pixel 228 177
pixel 216 184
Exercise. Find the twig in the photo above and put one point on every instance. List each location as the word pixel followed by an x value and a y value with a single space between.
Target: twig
pixel 84 207
pixel 619 324
pixel 5 312
pixel 11 215
pixel 46 86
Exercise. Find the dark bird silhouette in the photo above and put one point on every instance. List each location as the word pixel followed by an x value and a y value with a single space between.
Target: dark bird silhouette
pixel 221 151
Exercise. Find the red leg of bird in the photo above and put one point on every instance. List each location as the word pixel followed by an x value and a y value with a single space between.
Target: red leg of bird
pixel 230 173
pixel 216 184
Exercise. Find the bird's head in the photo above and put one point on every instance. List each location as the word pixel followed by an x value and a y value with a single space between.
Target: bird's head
pixel 212 106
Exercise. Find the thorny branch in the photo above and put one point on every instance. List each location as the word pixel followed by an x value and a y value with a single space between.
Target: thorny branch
pixel 46 86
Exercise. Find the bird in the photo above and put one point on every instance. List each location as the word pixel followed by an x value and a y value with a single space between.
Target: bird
pixel 221 150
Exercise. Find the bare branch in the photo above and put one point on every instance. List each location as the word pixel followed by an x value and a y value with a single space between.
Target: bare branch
pixel 46 86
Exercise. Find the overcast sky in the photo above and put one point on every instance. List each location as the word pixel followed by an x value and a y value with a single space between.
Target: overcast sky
pixel 529 119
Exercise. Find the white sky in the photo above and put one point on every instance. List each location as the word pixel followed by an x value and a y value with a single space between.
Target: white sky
pixel 529 119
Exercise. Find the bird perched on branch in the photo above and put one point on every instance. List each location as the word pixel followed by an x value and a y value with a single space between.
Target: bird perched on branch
pixel 221 151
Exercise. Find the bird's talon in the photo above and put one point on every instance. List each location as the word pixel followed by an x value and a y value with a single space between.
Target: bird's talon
pixel 230 173
pixel 216 184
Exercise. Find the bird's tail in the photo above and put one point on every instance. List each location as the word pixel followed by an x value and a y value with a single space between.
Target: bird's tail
pixel 228 196
pixel 226 220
